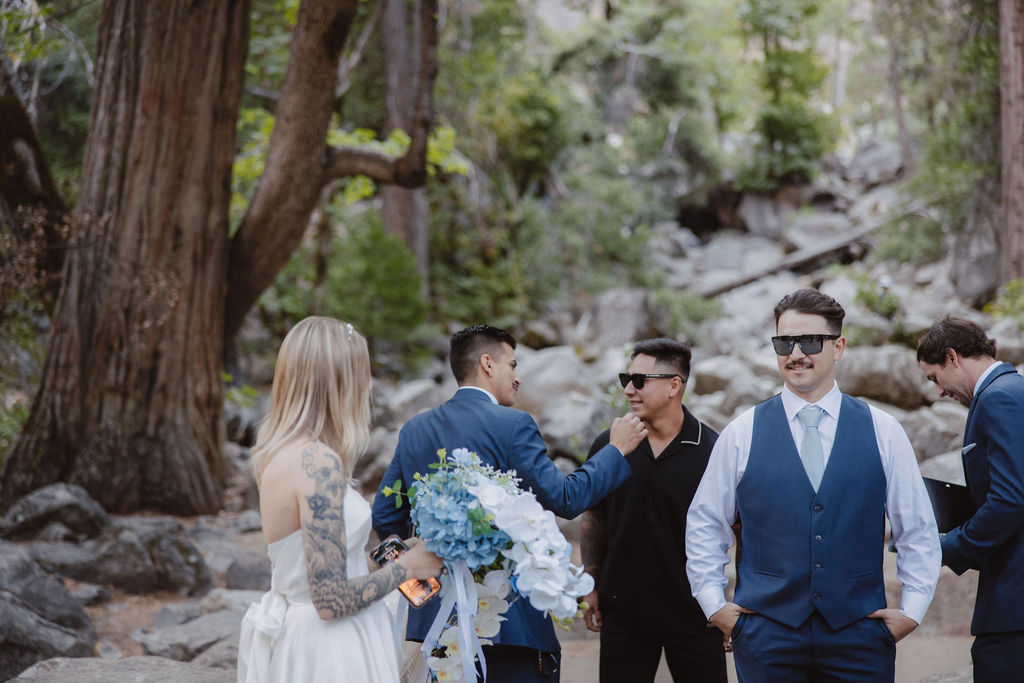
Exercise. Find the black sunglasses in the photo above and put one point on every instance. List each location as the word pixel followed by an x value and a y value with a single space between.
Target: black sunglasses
pixel 810 344
pixel 638 378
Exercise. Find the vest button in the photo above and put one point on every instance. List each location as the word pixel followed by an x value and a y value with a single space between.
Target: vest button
pixel 818 507
pixel 817 596
pixel 817 565
pixel 818 537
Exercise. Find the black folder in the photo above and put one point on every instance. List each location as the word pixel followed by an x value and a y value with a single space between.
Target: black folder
pixel 952 503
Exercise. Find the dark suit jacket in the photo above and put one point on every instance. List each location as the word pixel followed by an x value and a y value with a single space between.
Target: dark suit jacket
pixel 992 541
pixel 509 439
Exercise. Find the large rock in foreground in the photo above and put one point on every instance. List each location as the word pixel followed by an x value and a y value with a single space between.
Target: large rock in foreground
pixel 129 670
pixel 39 618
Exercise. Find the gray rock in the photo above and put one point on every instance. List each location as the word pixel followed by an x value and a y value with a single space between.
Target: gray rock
pixel 127 670
pixel 618 316
pixel 250 570
pixel 765 216
pixel 236 601
pixel 248 520
pixel 375 460
pixel 876 162
pixel 39 619
pixel 183 642
pixel 548 375
pixel 539 334
pixel 136 555
pixel 90 594
pixel 964 674
pixel 808 229
pixel 412 398
pixel 176 613
pixel 570 424
pixel 936 430
pixel 67 504
pixel 887 373
pixel 221 655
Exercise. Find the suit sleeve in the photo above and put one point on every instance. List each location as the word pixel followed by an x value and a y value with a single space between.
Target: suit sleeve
pixel 1001 515
pixel 565 495
pixel 388 519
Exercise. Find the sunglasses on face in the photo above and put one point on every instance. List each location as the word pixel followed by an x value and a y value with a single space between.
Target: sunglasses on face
pixel 810 344
pixel 638 378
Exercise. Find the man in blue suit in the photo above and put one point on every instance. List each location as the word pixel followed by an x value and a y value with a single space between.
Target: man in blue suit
pixel 959 358
pixel 479 417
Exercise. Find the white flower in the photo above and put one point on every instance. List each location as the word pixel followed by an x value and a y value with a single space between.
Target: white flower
pixel 523 518
pixel 498 581
pixel 490 494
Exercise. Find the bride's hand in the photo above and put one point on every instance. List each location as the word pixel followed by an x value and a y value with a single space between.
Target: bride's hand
pixel 419 562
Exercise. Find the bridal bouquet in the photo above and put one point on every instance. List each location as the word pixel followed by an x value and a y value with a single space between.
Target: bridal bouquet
pixel 498 543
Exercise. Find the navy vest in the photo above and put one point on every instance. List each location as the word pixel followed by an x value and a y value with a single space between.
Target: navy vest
pixel 802 551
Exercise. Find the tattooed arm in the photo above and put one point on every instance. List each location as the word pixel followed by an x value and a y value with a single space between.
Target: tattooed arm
pixel 321 500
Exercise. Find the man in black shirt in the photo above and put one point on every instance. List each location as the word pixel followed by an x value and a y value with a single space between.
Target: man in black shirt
pixel 633 540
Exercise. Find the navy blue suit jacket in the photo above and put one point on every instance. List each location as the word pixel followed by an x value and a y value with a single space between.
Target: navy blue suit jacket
pixel 992 541
pixel 509 439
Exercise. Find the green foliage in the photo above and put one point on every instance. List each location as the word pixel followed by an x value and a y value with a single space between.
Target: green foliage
pixel 371 281
pixel 241 396
pixel 22 350
pixel 683 311
pixel 1009 302
pixel 876 298
pixel 793 131
pixel 910 238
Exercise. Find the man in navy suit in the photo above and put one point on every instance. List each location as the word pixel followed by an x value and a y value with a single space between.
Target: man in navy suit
pixel 479 417
pixel 959 358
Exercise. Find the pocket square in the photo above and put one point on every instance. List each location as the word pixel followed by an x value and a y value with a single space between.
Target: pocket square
pixel 967 449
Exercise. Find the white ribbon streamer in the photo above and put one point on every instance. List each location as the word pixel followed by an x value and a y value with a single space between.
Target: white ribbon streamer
pixel 464 600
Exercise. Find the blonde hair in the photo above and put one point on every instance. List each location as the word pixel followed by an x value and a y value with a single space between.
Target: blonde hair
pixel 321 392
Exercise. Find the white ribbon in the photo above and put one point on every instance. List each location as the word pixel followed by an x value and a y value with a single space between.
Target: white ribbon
pixel 464 599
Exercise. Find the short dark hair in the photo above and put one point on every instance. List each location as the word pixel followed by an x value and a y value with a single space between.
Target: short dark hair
pixel 950 332
pixel 469 344
pixel 669 352
pixel 813 302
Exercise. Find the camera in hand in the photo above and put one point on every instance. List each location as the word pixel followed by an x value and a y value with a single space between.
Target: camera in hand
pixel 416 591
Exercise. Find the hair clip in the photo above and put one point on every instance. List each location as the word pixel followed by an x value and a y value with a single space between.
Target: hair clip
pixel 350 329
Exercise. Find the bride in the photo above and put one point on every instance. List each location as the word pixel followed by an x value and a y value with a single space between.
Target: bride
pixel 323 619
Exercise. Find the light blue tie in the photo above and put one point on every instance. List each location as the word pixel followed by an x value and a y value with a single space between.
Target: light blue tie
pixel 810 449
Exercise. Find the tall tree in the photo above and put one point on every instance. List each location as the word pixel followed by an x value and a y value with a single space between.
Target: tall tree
pixel 129 405
pixel 1011 95
pixel 404 210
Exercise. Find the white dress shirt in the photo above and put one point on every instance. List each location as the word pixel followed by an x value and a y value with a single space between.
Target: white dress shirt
pixel 708 524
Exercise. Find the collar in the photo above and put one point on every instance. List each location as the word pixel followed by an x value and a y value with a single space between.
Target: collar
pixel 692 431
pixel 486 393
pixel 830 402
pixel 988 371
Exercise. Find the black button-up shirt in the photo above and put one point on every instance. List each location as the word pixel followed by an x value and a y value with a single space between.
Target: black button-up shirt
pixel 643 574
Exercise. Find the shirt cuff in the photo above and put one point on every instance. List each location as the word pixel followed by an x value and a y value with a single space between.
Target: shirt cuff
pixel 914 605
pixel 711 599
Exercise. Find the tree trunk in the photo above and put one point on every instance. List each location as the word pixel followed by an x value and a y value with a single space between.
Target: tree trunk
pixel 403 210
pixel 1011 50
pixel 130 401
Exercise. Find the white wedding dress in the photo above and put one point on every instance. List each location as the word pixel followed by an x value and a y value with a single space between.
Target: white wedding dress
pixel 283 639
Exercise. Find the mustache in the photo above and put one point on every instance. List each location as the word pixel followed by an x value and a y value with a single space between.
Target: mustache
pixel 793 364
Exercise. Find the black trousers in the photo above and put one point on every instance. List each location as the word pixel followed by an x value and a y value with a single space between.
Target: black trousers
pixel 998 657
pixel 512 664
pixel 631 651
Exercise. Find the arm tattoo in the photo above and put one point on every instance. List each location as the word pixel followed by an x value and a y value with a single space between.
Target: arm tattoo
pixel 324 544
pixel 593 541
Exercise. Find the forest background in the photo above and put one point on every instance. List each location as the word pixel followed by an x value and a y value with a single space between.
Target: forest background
pixel 181 182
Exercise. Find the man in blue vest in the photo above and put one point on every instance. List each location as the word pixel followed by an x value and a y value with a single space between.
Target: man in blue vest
pixel 479 417
pixel 811 475
pixel 959 358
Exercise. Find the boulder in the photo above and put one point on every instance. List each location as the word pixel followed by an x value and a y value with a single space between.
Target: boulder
pixel 570 424
pixel 808 229
pixel 66 504
pixel 128 670
pixel 935 430
pixel 221 655
pixel 887 373
pixel 231 562
pixel 876 162
pixel 965 674
pixel 135 555
pixel 413 397
pixel 548 375
pixel 953 605
pixel 183 642
pixel 39 618
pixel 617 316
